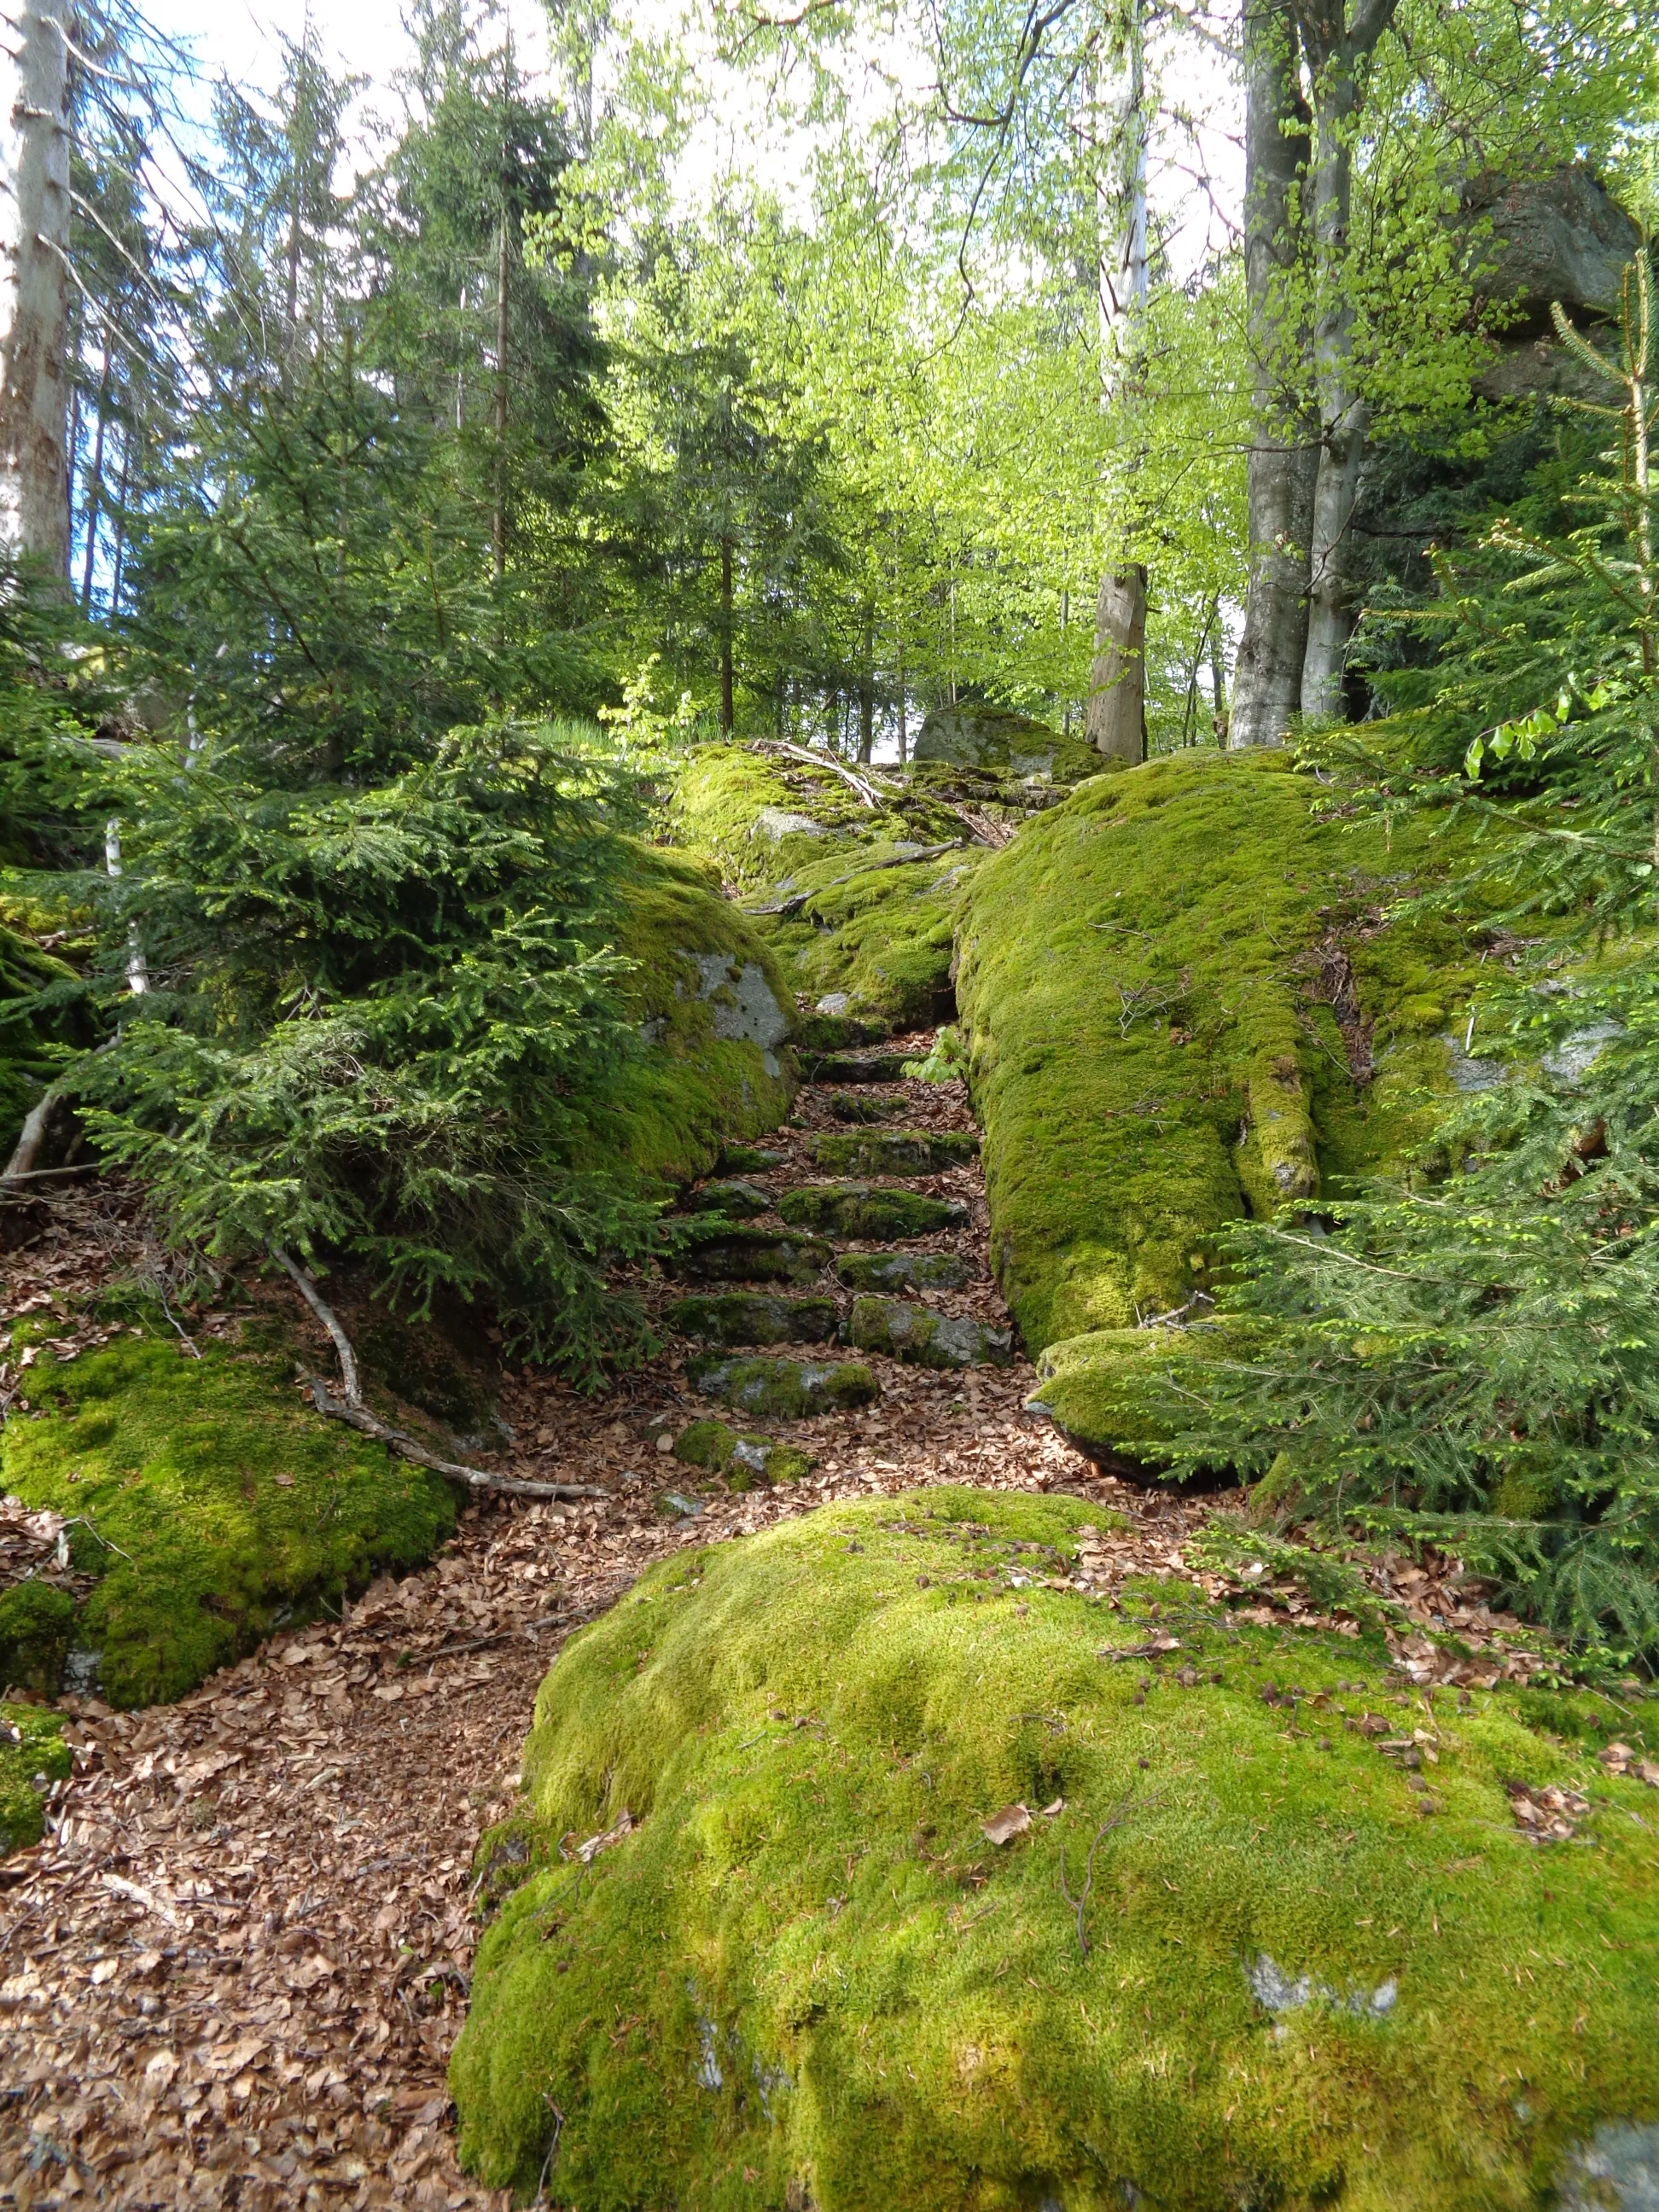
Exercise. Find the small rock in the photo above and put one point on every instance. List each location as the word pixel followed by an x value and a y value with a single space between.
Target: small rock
pixel 859 1210
pixel 752 1317
pixel 789 1389
pixel 738 1199
pixel 916 1334
pixel 891 1151
pixel 753 1255
pixel 902 1271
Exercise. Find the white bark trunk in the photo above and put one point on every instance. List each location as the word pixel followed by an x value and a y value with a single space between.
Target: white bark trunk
pixel 35 240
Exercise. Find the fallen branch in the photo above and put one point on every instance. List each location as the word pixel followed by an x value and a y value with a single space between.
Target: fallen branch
pixel 1114 1818
pixel 484 1643
pixel 136 1894
pixel 825 760
pixel 791 907
pixel 359 1417
pixel 355 1414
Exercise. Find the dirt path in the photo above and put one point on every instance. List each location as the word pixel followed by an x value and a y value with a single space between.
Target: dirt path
pixel 233 1970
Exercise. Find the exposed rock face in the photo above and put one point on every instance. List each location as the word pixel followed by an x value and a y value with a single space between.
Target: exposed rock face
pixel 1561 237
pixel 776 823
pixel 973 735
pixel 787 1389
pixel 751 1317
pixel 893 1152
pixel 742 1003
pixel 927 1339
pixel 859 1210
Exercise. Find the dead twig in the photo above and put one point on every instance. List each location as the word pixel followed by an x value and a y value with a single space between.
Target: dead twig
pixel 359 1417
pixel 865 791
pixel 1116 1818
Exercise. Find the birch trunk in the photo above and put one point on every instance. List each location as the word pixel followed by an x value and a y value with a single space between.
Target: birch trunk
pixel 34 238
pixel 1283 455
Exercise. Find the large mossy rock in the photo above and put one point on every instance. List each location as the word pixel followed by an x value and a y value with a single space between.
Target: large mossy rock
pixel 210 1502
pixel 802 1974
pixel 1185 1004
pixel 997 741
pixel 752 1317
pixel 743 1459
pixel 924 1338
pixel 893 1151
pixel 715 1015
pixel 752 1255
pixel 855 901
pixel 785 1389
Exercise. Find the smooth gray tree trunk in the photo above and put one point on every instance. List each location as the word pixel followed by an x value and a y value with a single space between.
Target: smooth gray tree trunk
pixel 1116 722
pixel 34 241
pixel 1338 48
pixel 1283 457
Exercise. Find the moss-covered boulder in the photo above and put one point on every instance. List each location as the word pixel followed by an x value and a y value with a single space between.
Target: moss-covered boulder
pixel 860 1210
pixel 747 1160
pixel 902 1271
pixel 785 1389
pixel 734 1196
pixel 752 1317
pixel 1000 742
pixel 1186 1003
pixel 37 1626
pixel 863 1107
pixel 893 1151
pixel 925 1339
pixel 922 1902
pixel 744 1459
pixel 716 1016
pixel 31 1752
pixel 210 1501
pixel 753 1255
pixel 1107 1390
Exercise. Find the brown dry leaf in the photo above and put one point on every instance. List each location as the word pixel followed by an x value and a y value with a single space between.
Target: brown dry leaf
pixel 1002 1827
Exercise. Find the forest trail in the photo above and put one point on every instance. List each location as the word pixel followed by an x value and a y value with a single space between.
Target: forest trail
pixel 235 1967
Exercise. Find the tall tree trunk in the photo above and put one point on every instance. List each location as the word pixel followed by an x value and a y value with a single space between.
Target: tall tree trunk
pixel 34 237
pixel 1339 50
pixel 1116 723
pixel 727 715
pixel 1114 718
pixel 498 511
pixel 867 689
pixel 119 559
pixel 1283 457
pixel 96 486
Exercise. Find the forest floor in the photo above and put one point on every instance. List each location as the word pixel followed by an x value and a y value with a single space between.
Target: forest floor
pixel 234 1970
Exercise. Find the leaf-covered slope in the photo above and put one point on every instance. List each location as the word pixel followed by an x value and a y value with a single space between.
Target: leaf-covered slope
pixel 807 1977
pixel 1185 1005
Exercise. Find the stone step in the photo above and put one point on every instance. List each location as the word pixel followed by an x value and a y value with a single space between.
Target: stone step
pixel 736 1198
pixel 747 1160
pixel 784 1389
pixel 891 1151
pixel 752 1317
pixel 860 1211
pixel 857 1067
pixel 752 1255
pixel 902 1271
pixel 742 1460
pixel 849 1106
pixel 925 1338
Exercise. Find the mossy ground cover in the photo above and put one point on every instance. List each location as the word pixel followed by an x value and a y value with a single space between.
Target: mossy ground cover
pixel 1166 982
pixel 807 1977
pixel 32 1747
pixel 210 1501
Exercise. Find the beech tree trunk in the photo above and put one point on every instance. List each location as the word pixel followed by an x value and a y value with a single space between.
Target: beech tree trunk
pixel 34 238
pixel 1283 457
pixel 1116 721
pixel 1115 717
pixel 1339 50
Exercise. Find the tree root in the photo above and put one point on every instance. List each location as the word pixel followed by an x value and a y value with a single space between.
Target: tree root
pixel 355 1414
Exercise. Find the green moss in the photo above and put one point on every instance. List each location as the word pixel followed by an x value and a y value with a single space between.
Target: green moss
pixel 807 1963
pixel 880 945
pixel 737 1199
pixel 924 1338
pixel 753 1255
pixel 211 1504
pixel 743 1459
pixel 747 1159
pixel 30 1745
pixel 1149 976
pixel 751 1317
pixel 1096 1386
pixel 854 1106
pixel 715 1014
pixel 858 1210
pixel 37 1624
pixel 902 1271
pixel 785 1390
pixel 893 1151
